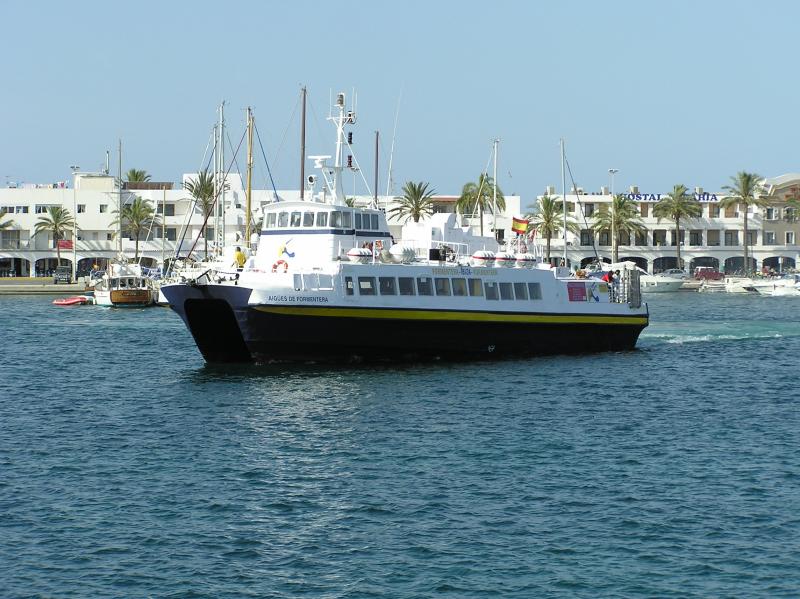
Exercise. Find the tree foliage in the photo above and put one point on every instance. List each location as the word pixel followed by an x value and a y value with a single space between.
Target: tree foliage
pixel 479 197
pixel 417 202
pixel 746 190
pixel 676 206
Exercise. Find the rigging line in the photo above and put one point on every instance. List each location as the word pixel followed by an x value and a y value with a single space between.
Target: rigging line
pixel 230 145
pixel 216 196
pixel 578 203
pixel 358 166
pixel 275 158
pixel 260 145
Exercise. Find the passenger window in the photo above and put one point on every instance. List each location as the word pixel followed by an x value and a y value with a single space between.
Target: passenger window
pixel 374 218
pixel 325 282
pixel 347 219
pixel 295 220
pixel 357 217
pixel 491 291
pixel 535 290
pixel 348 285
pixel 336 219
pixel 506 291
pixel 386 285
pixel 442 286
pixel 521 291
pixel 424 286
pixel 283 219
pixel 308 219
pixel 406 285
pixel 322 219
pixel 298 282
pixel 366 285
pixel 475 288
pixel 270 220
pixel 460 287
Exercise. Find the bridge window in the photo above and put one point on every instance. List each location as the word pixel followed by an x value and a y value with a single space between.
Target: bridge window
pixel 295 220
pixel 521 291
pixel 387 285
pixel 357 219
pixel 308 219
pixel 491 290
pixel 406 285
pixel 366 285
pixel 475 287
pixel 283 219
pixel 374 218
pixel 322 219
pixel 506 291
pixel 271 217
pixel 348 285
pixel 460 287
pixel 424 286
pixel 336 219
pixel 347 219
pixel 442 286
pixel 535 291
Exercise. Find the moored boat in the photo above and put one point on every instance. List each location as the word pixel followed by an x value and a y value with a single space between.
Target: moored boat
pixel 124 286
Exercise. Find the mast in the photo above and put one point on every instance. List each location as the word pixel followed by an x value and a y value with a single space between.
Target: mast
pixel 249 176
pixel 564 202
pixel 163 226
pixel 494 191
pixel 220 233
pixel 375 197
pixel 119 200
pixel 303 145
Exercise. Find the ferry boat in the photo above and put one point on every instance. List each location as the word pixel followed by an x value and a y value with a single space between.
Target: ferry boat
pixel 327 283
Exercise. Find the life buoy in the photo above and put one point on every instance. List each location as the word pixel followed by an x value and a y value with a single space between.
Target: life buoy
pixel 278 263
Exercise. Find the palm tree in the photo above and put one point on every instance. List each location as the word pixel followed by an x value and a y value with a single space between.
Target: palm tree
pixel 625 218
pixel 480 196
pixel 57 222
pixel 675 206
pixel 746 190
pixel 547 219
pixel 137 176
pixel 202 190
pixel 137 218
pixel 5 224
pixel 416 202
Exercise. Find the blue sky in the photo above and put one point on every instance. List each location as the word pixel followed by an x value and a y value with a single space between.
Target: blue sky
pixel 669 92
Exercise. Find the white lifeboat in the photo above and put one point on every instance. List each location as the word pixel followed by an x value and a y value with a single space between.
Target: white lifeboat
pixel 525 260
pixel 402 254
pixel 359 255
pixel 505 259
pixel 482 258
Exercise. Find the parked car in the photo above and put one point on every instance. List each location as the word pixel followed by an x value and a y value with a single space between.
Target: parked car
pixel 707 272
pixel 62 274
pixel 675 273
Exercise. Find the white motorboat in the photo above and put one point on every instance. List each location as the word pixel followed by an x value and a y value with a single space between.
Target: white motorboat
pixel 660 283
pixel 778 286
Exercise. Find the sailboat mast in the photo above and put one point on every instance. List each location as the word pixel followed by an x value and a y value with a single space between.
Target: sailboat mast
pixel 248 205
pixel 119 200
pixel 303 145
pixel 564 199
pixel 375 197
pixel 494 191
pixel 221 231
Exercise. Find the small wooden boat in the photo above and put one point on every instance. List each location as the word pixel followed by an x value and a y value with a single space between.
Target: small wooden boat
pixel 75 300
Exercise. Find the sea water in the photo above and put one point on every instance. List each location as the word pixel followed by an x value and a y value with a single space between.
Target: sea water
pixel 128 468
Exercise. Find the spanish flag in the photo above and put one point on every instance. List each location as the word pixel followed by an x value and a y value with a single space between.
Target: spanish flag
pixel 519 225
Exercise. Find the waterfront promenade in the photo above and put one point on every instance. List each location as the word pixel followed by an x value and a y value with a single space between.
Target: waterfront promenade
pixel 39 286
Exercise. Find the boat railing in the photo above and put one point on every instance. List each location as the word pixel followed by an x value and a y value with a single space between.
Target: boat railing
pixel 628 290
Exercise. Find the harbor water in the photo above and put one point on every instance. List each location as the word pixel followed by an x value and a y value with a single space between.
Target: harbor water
pixel 128 468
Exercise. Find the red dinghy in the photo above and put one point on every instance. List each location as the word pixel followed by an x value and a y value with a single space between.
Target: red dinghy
pixel 76 300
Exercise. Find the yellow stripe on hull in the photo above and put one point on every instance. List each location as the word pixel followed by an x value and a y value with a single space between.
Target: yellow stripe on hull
pixel 451 315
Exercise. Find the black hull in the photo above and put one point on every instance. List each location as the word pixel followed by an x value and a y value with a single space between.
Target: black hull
pixel 227 330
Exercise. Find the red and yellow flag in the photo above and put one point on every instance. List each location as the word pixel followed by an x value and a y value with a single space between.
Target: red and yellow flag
pixel 519 225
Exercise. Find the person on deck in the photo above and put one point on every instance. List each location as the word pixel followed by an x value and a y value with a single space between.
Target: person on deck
pixel 239 258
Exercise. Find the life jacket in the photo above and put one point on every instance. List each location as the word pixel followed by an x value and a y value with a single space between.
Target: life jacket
pixel 608 277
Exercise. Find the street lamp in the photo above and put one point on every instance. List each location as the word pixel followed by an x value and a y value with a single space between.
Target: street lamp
pixel 611 173
pixel 75 168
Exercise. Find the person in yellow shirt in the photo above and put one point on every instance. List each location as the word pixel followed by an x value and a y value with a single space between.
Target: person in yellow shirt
pixel 239 258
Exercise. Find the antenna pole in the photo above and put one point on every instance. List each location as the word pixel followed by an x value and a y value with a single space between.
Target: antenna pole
pixel 375 198
pixel 303 145
pixel 494 191
pixel 248 204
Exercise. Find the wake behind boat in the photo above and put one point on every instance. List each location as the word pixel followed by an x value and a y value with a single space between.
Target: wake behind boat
pixel 328 284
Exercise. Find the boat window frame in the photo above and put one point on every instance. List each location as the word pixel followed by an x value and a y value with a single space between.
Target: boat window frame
pixel 425 286
pixel 283 219
pixel 461 284
pixel 406 286
pixel 357 220
pixel 322 219
pixel 367 283
pixel 296 218
pixel 349 288
pixel 520 291
pixel 535 291
pixel 387 285
pixel 347 219
pixel 444 290
pixel 506 290
pixel 270 220
pixel 374 222
pixel 475 287
pixel 305 219
pixel 491 291
pixel 336 219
